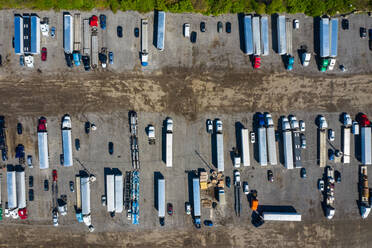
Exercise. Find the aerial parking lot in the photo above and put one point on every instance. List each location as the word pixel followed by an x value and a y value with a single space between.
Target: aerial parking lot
pixel 204 76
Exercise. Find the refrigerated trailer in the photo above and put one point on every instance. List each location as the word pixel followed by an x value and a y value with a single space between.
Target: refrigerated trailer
pixel 144 43
pixel 196 202
pixel 220 155
pixel 265 35
pixel 346 131
pixel 281 216
pixel 262 146
pixel 161 198
pixel 256 35
pixel 66 141
pixel 365 134
pixel 110 193
pixel 271 147
pixel 245 147
pixel 68 33
pixel 21 189
pixel 248 39
pixel 11 189
pixel 324 37
pixel 334 37
pixel 281 35
pixel 119 193
pixel 42 138
pixel 160 34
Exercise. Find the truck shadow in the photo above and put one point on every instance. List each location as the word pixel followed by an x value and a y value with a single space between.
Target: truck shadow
pixel 274 32
pixel 280 141
pixel 164 141
pixel 157 176
pixel 256 144
pixel 241 31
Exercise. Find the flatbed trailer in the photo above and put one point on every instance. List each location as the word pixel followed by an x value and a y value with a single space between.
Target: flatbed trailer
pixel 94 52
pixel 77 32
pixel 86 36
pixel 144 42
pixel 346 132
pixel 220 155
pixel 288 30
pixel 297 148
pixel 262 146
pixel 322 148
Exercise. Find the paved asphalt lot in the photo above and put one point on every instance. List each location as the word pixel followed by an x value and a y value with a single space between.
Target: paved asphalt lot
pixel 190 139
pixel 212 49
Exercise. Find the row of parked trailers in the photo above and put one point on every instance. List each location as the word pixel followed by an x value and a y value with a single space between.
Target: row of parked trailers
pixel 26 34
pixel 256 35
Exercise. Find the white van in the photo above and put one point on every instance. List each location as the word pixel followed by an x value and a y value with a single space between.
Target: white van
pixel 186 30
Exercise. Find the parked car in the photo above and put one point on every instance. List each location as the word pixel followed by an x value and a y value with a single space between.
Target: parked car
pixel 111 148
pixel 331 135
pixel 29 161
pixel 345 24
pixel 303 173
pixel 119 31
pixel 111 58
pixel 22 60
pixel 245 188
pixel 338 176
pixel 30 181
pixel 256 62
pixel 55 175
pixel 228 182
pixel 332 63
pixel 77 144
pixel 219 27
pixel 321 185
pixel 228 27
pixel 170 209
pixel 188 208
pixel 72 189
pixel 102 21
pixel 44 54
pixel 236 177
pixel 69 59
pixel 31 196
pixel 193 37
pixel 46 185
pixel 87 127
pixel 186 30
pixel 202 27
pixel 305 58
pixel 93 21
pixel 302 126
pixel 86 62
pixel 270 176
pixel 303 141
pixel 55 218
pixel 208 223
pixel 363 32
pixel 53 32
pixel 209 126
pixel 296 24
pixel 253 137
pixel 19 128
pixel 136 32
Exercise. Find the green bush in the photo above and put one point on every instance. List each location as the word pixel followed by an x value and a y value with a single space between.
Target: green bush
pixel 276 6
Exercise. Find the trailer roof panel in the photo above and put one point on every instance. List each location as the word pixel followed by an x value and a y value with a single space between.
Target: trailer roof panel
pixel 21 189
pixel 324 37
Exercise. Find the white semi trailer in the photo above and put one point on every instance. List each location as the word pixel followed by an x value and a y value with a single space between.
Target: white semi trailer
pixel 161 200
pixel 66 141
pixel 144 43
pixel 245 147
pixel 169 143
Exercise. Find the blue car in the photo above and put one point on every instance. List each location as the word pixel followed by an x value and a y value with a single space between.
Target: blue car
pixel 77 58
pixel 290 63
pixel 208 223
pixel 111 58
pixel 53 32
pixel 102 21
pixel 261 120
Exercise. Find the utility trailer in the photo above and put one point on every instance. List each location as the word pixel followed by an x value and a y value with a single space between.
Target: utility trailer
pixel 265 35
pixel 86 36
pixel 281 35
pixel 248 39
pixel 245 147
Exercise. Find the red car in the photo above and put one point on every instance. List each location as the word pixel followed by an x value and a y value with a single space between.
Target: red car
pixel 256 62
pixel 93 21
pixel 42 124
pixel 55 176
pixel 44 53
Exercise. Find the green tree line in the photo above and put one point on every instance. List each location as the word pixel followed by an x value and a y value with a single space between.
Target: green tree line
pixel 207 7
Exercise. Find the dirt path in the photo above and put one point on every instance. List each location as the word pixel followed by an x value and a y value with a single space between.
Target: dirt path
pixel 183 92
